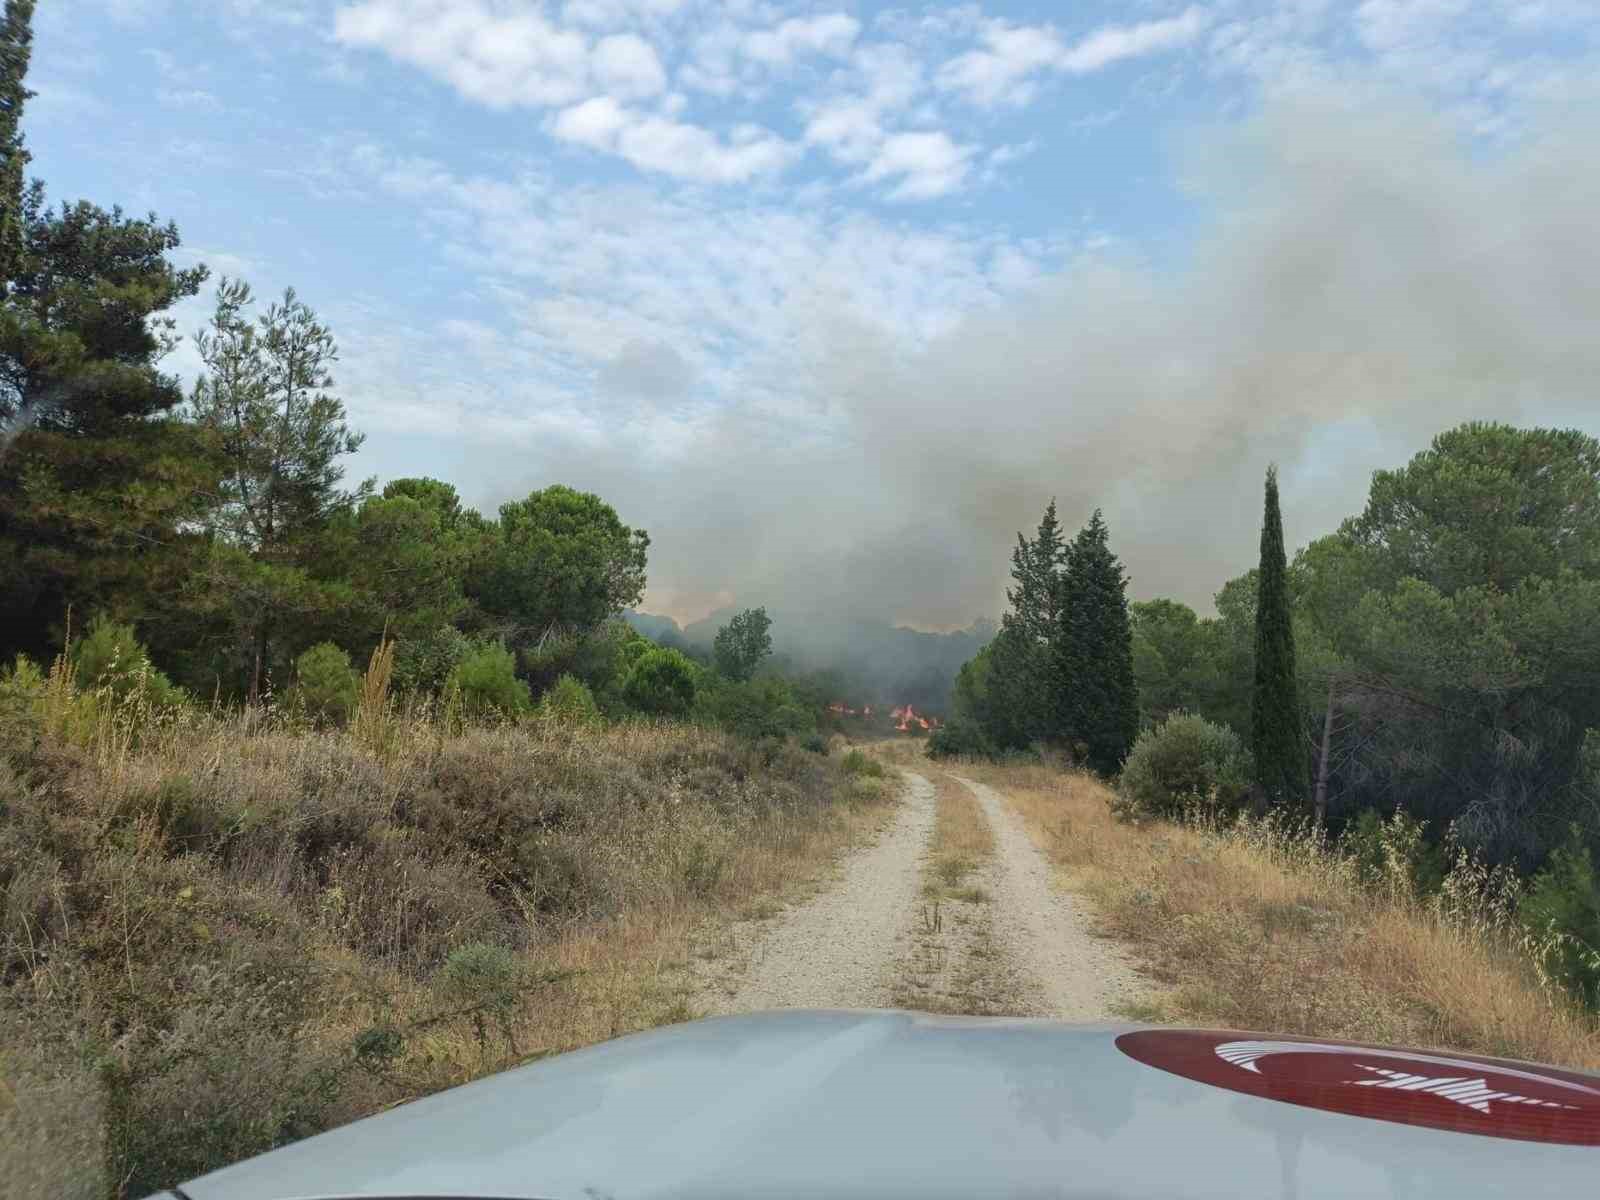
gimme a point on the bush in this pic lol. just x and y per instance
(757, 708)
(857, 763)
(569, 702)
(960, 739)
(326, 685)
(424, 664)
(487, 680)
(816, 744)
(1182, 761)
(1394, 854)
(661, 683)
(1564, 900)
(109, 656)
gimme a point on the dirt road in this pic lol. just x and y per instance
(854, 944)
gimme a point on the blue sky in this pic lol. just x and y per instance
(832, 297)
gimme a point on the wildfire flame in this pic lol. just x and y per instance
(904, 716)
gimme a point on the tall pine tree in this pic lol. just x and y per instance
(1094, 653)
(1275, 736)
(1022, 696)
(98, 485)
(16, 39)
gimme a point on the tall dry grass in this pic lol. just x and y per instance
(1254, 926)
(237, 931)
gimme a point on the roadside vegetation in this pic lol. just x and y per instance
(1427, 676)
(226, 930)
(1256, 923)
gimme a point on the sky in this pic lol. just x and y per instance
(832, 298)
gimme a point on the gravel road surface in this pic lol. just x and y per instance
(849, 945)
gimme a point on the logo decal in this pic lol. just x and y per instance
(1466, 1094)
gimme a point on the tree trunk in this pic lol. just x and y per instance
(1320, 805)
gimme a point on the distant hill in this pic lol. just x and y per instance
(868, 662)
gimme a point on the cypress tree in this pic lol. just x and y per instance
(1094, 655)
(1281, 766)
(16, 37)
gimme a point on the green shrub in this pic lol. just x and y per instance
(1183, 761)
(769, 707)
(487, 680)
(960, 739)
(857, 763)
(110, 657)
(569, 702)
(326, 685)
(661, 683)
(1564, 901)
(1394, 854)
(424, 664)
(815, 743)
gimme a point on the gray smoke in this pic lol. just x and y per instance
(1362, 279)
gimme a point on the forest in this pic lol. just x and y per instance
(1427, 672)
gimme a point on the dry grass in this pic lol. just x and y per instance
(954, 964)
(1251, 929)
(264, 924)
(962, 840)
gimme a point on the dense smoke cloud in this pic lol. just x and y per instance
(1361, 278)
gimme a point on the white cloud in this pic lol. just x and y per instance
(1004, 70)
(659, 143)
(627, 65)
(831, 34)
(502, 59)
(1115, 43)
(1001, 71)
(927, 164)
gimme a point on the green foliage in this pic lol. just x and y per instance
(486, 679)
(559, 559)
(570, 703)
(423, 662)
(1183, 762)
(661, 683)
(479, 973)
(1563, 906)
(742, 643)
(110, 658)
(815, 743)
(327, 687)
(1394, 854)
(1486, 505)
(960, 737)
(1094, 652)
(769, 707)
(99, 489)
(16, 38)
(856, 763)
(1276, 736)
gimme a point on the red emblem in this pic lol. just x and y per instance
(1488, 1096)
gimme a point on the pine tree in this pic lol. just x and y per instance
(1094, 652)
(16, 37)
(1275, 737)
(1022, 695)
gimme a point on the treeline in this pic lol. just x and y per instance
(1060, 671)
(208, 544)
(1426, 676)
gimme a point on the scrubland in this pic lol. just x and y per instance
(1254, 925)
(221, 933)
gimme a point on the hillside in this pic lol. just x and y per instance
(868, 662)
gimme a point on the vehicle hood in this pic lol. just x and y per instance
(887, 1104)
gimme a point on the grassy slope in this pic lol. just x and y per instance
(233, 937)
(1252, 930)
